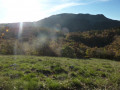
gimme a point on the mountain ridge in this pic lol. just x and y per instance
(79, 22)
(71, 22)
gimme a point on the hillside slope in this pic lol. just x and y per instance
(79, 22)
(53, 73)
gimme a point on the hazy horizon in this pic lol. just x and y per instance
(52, 15)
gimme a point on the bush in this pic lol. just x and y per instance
(6, 47)
(67, 51)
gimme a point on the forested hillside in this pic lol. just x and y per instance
(79, 22)
(51, 42)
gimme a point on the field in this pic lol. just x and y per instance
(55, 73)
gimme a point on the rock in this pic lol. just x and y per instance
(71, 67)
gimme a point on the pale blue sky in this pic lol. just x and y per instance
(33, 10)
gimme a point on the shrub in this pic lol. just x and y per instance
(67, 51)
(6, 47)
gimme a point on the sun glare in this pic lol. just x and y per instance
(23, 10)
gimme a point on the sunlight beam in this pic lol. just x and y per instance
(20, 30)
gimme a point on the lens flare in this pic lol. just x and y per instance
(3, 34)
(20, 30)
(19, 36)
(7, 30)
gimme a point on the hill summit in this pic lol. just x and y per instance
(79, 22)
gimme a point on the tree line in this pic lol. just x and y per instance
(50, 42)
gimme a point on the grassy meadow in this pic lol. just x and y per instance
(58, 73)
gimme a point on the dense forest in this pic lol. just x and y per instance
(52, 42)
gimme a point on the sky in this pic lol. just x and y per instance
(34, 10)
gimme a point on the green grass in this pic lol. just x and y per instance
(55, 73)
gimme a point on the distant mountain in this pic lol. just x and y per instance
(79, 22)
(68, 22)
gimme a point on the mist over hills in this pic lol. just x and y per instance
(69, 22)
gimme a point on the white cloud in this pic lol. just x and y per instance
(62, 6)
(69, 3)
(104, 0)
